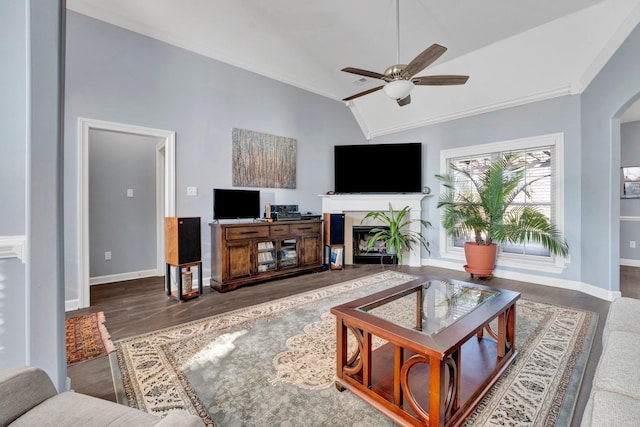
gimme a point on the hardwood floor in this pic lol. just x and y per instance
(630, 281)
(138, 306)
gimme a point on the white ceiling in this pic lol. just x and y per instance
(515, 51)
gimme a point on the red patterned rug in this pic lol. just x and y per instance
(87, 338)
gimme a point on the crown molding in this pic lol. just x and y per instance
(569, 89)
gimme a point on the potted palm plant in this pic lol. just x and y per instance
(393, 230)
(484, 208)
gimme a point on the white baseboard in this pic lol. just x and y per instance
(538, 280)
(71, 304)
(98, 280)
(630, 262)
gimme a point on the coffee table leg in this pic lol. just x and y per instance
(436, 393)
(398, 359)
(453, 391)
(366, 360)
(502, 326)
(341, 348)
(506, 330)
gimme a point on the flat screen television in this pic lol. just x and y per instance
(378, 168)
(234, 204)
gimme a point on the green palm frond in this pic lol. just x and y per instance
(484, 206)
(397, 233)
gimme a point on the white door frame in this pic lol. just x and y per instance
(165, 150)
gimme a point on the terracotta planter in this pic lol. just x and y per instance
(481, 259)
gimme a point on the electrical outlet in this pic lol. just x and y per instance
(129, 192)
(632, 244)
(107, 255)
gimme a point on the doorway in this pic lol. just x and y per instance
(165, 198)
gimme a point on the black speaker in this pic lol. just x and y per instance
(182, 240)
(333, 229)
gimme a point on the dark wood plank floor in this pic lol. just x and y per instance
(138, 306)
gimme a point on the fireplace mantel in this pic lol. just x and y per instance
(355, 206)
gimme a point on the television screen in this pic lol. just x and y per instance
(378, 168)
(233, 204)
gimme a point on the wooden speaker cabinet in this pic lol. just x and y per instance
(182, 240)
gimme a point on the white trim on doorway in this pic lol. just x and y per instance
(166, 152)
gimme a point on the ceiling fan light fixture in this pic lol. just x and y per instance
(398, 89)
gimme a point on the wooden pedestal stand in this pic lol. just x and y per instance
(178, 294)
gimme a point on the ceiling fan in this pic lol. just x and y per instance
(399, 78)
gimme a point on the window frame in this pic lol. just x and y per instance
(552, 264)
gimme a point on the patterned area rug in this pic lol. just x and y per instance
(87, 338)
(273, 364)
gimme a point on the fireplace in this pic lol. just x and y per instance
(377, 254)
(355, 207)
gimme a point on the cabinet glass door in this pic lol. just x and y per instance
(289, 253)
(267, 259)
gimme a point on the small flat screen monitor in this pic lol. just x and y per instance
(235, 204)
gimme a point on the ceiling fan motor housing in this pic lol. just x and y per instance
(393, 72)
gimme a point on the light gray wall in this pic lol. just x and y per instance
(12, 110)
(120, 76)
(630, 156)
(612, 91)
(540, 118)
(125, 226)
(31, 295)
(45, 237)
(13, 172)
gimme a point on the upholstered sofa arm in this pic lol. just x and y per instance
(182, 419)
(22, 389)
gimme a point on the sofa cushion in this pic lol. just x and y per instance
(22, 389)
(624, 315)
(618, 370)
(180, 418)
(607, 409)
(75, 409)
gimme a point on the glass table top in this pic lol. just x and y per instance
(430, 307)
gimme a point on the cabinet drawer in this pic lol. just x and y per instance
(313, 228)
(247, 232)
(279, 230)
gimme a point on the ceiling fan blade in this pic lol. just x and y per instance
(365, 73)
(440, 80)
(404, 101)
(366, 92)
(423, 60)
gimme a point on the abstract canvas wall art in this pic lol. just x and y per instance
(263, 160)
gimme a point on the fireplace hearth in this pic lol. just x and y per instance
(378, 252)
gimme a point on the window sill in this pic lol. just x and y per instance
(554, 265)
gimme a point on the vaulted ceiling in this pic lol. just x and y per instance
(515, 51)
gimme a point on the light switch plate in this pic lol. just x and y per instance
(192, 191)
(129, 192)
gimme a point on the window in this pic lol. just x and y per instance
(543, 159)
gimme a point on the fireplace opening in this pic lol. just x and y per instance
(377, 254)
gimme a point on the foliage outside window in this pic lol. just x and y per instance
(542, 168)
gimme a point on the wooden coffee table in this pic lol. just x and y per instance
(426, 352)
